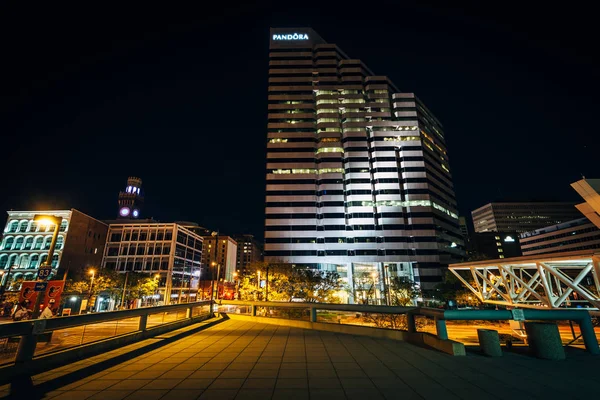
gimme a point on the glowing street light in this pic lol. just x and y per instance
(92, 272)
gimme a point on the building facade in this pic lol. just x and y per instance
(25, 245)
(219, 256)
(589, 190)
(168, 251)
(358, 175)
(248, 251)
(522, 217)
(579, 234)
(131, 200)
(492, 245)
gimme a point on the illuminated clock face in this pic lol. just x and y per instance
(136, 213)
(124, 211)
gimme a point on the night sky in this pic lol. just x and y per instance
(178, 97)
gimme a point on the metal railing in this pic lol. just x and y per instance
(404, 318)
(349, 314)
(581, 317)
(21, 342)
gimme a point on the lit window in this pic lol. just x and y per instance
(278, 140)
(497, 237)
(501, 256)
(331, 170)
(500, 251)
(330, 150)
(498, 244)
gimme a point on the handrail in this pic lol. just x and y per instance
(51, 324)
(366, 308)
(582, 317)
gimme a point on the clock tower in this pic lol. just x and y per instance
(131, 200)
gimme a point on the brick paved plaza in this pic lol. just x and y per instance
(247, 360)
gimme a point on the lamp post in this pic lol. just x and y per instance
(157, 279)
(237, 285)
(267, 285)
(258, 283)
(124, 290)
(215, 295)
(93, 273)
(46, 220)
(374, 276)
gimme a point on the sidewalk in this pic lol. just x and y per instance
(247, 360)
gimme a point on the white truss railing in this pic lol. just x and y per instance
(560, 281)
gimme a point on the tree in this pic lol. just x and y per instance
(107, 281)
(286, 283)
(403, 291)
(140, 286)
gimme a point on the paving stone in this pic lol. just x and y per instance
(194, 383)
(265, 383)
(291, 383)
(327, 394)
(254, 394)
(290, 394)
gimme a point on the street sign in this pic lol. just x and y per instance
(44, 272)
(40, 286)
(518, 315)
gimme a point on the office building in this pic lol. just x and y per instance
(168, 250)
(522, 217)
(358, 175)
(492, 245)
(579, 234)
(248, 251)
(25, 245)
(219, 256)
(589, 190)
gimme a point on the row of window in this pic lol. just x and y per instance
(377, 239)
(23, 226)
(408, 227)
(31, 243)
(358, 252)
(25, 260)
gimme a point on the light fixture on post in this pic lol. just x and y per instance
(47, 220)
(92, 272)
(374, 276)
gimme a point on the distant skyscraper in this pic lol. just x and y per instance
(131, 200)
(358, 177)
(464, 228)
(522, 216)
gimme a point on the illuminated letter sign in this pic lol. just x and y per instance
(291, 36)
(509, 239)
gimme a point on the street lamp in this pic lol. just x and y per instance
(47, 220)
(156, 291)
(237, 285)
(92, 272)
(214, 295)
(374, 276)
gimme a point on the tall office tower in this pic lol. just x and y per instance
(522, 217)
(358, 179)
